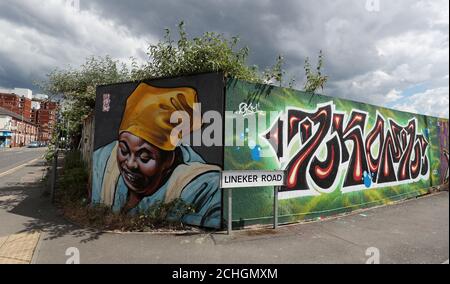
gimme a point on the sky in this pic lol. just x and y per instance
(383, 52)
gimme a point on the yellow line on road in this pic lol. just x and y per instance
(8, 172)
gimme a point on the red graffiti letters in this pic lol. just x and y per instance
(331, 146)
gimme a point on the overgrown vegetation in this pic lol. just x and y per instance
(77, 88)
(72, 199)
(72, 181)
(211, 52)
(315, 81)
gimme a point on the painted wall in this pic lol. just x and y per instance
(136, 168)
(339, 155)
(444, 150)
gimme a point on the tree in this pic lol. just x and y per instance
(211, 52)
(315, 80)
(77, 88)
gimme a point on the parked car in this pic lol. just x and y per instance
(34, 144)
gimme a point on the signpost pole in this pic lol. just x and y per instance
(275, 207)
(230, 211)
(251, 179)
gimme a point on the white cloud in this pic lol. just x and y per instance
(431, 102)
(393, 95)
(408, 59)
(439, 10)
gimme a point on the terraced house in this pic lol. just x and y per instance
(15, 131)
(31, 111)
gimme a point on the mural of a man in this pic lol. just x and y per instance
(143, 167)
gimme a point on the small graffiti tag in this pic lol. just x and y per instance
(248, 109)
(106, 102)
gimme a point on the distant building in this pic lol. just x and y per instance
(15, 131)
(35, 105)
(40, 97)
(24, 93)
(45, 117)
(18, 104)
(37, 110)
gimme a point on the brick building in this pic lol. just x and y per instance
(45, 117)
(38, 112)
(15, 131)
(17, 104)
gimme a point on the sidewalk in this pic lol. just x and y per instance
(415, 231)
(412, 232)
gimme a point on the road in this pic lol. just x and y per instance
(414, 231)
(11, 158)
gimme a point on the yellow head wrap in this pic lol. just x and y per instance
(148, 111)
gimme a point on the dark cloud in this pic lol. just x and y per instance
(348, 34)
(38, 37)
(369, 55)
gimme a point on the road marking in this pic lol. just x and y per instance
(8, 172)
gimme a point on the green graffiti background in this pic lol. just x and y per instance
(254, 206)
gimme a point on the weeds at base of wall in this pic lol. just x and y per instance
(71, 198)
(443, 187)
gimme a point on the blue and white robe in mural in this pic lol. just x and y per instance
(194, 182)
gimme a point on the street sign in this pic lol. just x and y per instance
(247, 179)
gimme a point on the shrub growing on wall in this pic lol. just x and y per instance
(211, 52)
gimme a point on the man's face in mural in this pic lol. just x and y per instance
(142, 165)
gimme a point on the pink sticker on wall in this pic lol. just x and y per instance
(106, 102)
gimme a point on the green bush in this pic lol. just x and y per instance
(73, 160)
(73, 183)
(163, 214)
(50, 154)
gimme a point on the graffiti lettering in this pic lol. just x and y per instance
(329, 145)
(248, 109)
